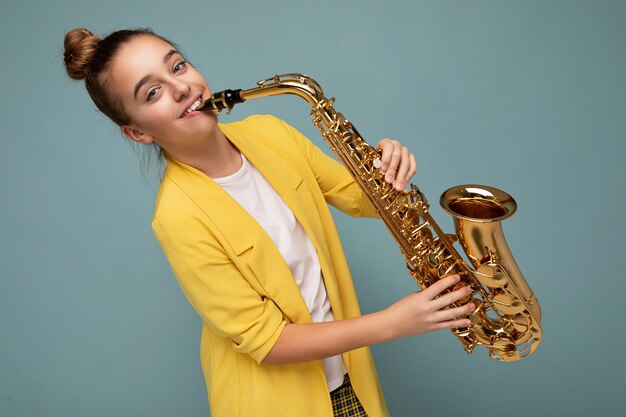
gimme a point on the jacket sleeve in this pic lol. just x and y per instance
(217, 289)
(337, 185)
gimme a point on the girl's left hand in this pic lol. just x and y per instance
(398, 164)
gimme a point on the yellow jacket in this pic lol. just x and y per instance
(237, 281)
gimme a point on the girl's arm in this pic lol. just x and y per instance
(417, 313)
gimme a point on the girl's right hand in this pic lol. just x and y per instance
(427, 311)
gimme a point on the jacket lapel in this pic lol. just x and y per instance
(241, 232)
(293, 189)
(283, 177)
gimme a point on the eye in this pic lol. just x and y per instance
(180, 66)
(152, 93)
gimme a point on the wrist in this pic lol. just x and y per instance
(386, 325)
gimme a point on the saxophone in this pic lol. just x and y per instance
(507, 316)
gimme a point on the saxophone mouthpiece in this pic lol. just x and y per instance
(222, 100)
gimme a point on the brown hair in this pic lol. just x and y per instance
(88, 57)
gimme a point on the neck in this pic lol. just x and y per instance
(215, 155)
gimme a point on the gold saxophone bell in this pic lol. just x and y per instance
(478, 212)
(507, 317)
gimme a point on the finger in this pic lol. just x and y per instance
(412, 169)
(385, 147)
(451, 324)
(453, 313)
(452, 297)
(396, 155)
(403, 169)
(380, 144)
(440, 286)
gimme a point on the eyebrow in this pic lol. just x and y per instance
(145, 79)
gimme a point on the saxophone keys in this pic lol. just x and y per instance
(504, 349)
(521, 323)
(452, 237)
(481, 328)
(433, 261)
(491, 276)
(508, 304)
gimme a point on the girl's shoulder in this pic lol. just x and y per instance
(270, 132)
(256, 125)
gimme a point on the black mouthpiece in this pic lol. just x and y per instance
(222, 100)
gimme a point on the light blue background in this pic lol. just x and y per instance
(528, 96)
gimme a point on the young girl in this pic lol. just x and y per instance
(242, 216)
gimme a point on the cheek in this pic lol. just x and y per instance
(156, 117)
(198, 79)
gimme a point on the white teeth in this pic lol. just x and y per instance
(194, 106)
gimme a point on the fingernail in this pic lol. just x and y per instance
(389, 178)
(471, 305)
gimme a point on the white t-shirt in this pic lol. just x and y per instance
(252, 191)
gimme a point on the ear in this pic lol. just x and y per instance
(136, 135)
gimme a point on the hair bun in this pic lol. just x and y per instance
(80, 45)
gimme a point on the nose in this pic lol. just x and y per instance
(180, 88)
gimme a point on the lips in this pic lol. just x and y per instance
(193, 105)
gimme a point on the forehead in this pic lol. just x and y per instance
(135, 59)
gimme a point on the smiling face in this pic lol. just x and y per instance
(159, 90)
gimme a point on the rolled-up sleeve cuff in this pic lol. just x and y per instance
(261, 352)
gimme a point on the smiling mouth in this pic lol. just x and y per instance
(192, 108)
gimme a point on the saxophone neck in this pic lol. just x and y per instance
(297, 84)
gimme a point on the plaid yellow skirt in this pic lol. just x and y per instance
(345, 402)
